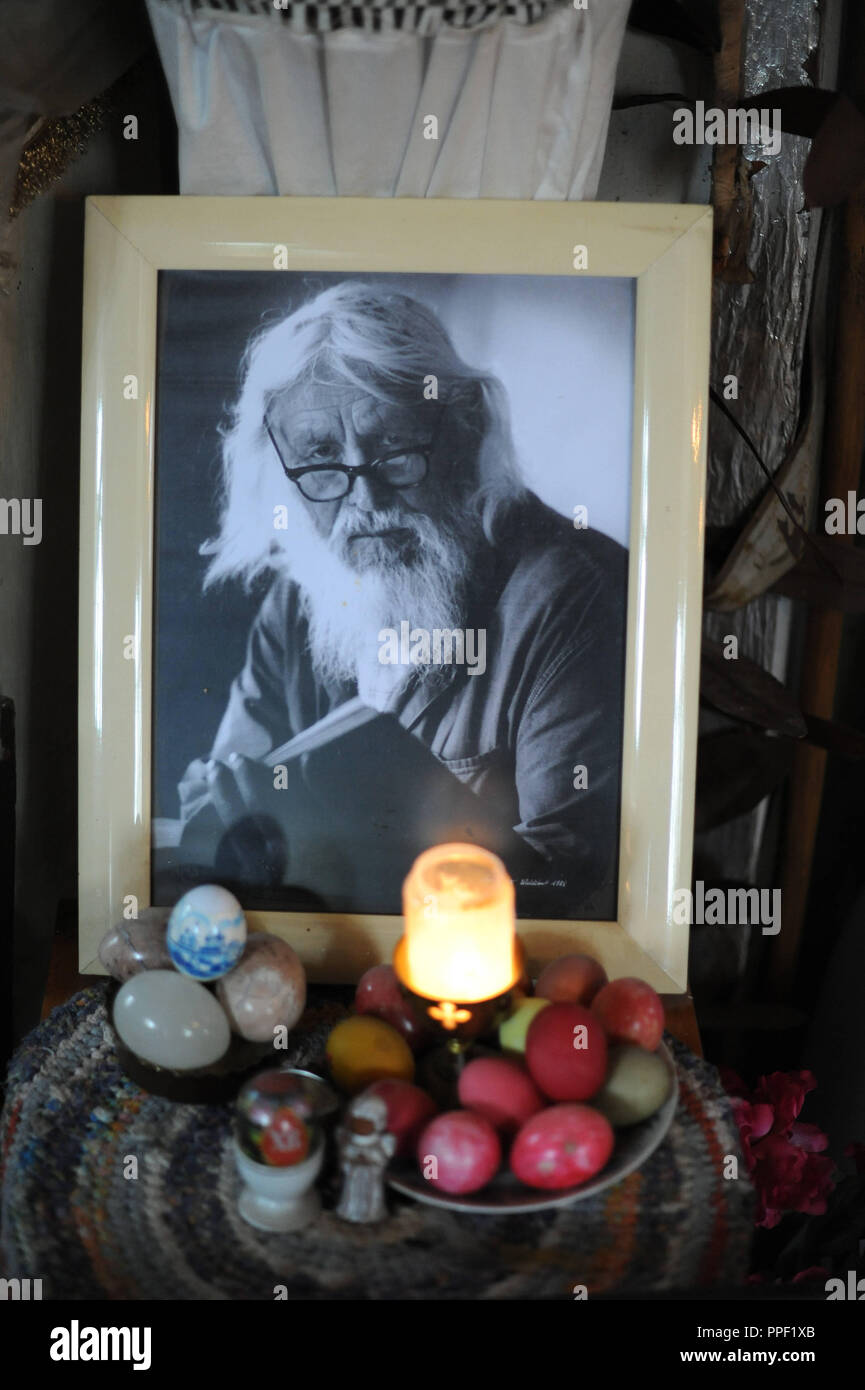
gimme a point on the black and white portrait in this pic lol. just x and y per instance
(390, 583)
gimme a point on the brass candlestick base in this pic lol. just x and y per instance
(460, 1022)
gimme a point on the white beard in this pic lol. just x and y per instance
(347, 607)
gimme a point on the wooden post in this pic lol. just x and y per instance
(731, 191)
(843, 442)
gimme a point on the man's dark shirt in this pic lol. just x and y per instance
(553, 602)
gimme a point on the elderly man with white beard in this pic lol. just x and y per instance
(392, 466)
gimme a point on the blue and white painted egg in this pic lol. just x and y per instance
(206, 932)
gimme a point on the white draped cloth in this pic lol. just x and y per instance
(266, 104)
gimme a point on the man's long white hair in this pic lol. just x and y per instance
(387, 344)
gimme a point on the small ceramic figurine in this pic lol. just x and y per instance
(365, 1149)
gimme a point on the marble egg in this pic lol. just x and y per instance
(206, 932)
(138, 944)
(171, 1021)
(266, 988)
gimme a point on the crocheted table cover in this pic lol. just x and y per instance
(70, 1217)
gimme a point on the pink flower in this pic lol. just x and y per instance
(789, 1178)
(733, 1083)
(754, 1122)
(785, 1092)
(777, 1172)
(816, 1185)
(805, 1275)
(808, 1137)
(783, 1154)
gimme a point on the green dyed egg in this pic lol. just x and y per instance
(637, 1084)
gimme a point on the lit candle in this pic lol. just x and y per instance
(460, 943)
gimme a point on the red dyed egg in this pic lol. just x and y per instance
(573, 979)
(566, 1052)
(378, 993)
(408, 1110)
(501, 1091)
(562, 1146)
(459, 1152)
(631, 1011)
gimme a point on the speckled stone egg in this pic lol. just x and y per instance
(267, 988)
(206, 932)
(135, 945)
(171, 1021)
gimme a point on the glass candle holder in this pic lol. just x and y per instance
(460, 958)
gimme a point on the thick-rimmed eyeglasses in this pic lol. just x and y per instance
(328, 482)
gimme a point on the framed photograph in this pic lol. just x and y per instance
(391, 535)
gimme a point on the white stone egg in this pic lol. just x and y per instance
(206, 932)
(170, 1021)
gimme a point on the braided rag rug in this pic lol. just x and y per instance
(71, 1218)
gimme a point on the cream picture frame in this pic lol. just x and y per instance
(667, 250)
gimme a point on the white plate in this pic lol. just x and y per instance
(506, 1195)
